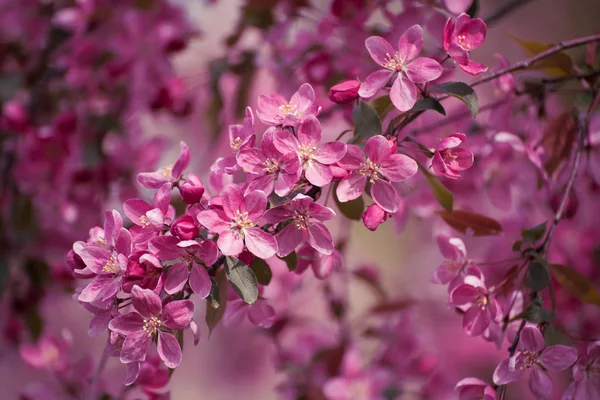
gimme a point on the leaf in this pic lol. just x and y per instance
(382, 106)
(262, 270)
(429, 103)
(534, 234)
(471, 223)
(291, 260)
(553, 336)
(576, 283)
(441, 193)
(242, 279)
(559, 137)
(558, 64)
(537, 276)
(352, 209)
(536, 313)
(389, 307)
(461, 91)
(215, 314)
(366, 121)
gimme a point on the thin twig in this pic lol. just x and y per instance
(97, 374)
(503, 11)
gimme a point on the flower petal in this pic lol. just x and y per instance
(318, 174)
(330, 152)
(374, 82)
(146, 302)
(135, 347)
(378, 149)
(261, 314)
(178, 314)
(255, 205)
(169, 350)
(230, 243)
(288, 239)
(303, 98)
(540, 384)
(319, 238)
(126, 324)
(403, 93)
(252, 160)
(309, 132)
(176, 278)
(233, 200)
(503, 375)
(410, 43)
(423, 70)
(558, 357)
(351, 187)
(260, 243)
(385, 196)
(200, 281)
(214, 220)
(379, 49)
(531, 339)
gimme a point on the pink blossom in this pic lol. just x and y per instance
(535, 356)
(147, 374)
(483, 308)
(345, 92)
(275, 110)
(50, 352)
(322, 264)
(314, 159)
(150, 219)
(143, 270)
(259, 313)
(449, 161)
(586, 385)
(185, 228)
(192, 189)
(305, 216)
(241, 136)
(149, 320)
(171, 174)
(475, 389)
(373, 217)
(403, 64)
(270, 169)
(237, 223)
(377, 168)
(455, 254)
(461, 37)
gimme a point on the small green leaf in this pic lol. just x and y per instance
(558, 64)
(429, 103)
(215, 314)
(366, 121)
(242, 279)
(382, 106)
(537, 276)
(461, 91)
(553, 336)
(352, 209)
(536, 313)
(291, 260)
(262, 270)
(443, 196)
(534, 234)
(517, 245)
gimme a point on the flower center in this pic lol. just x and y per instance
(151, 325)
(302, 221)
(242, 221)
(359, 390)
(371, 170)
(236, 143)
(482, 302)
(529, 359)
(111, 265)
(271, 165)
(144, 221)
(306, 153)
(167, 171)
(393, 62)
(50, 355)
(289, 109)
(461, 40)
(101, 242)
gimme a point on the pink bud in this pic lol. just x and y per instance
(14, 117)
(373, 216)
(344, 92)
(185, 228)
(191, 190)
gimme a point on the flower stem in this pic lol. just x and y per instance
(97, 374)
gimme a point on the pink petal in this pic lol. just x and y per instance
(260, 243)
(464, 294)
(135, 347)
(230, 243)
(195, 331)
(378, 149)
(458, 54)
(233, 200)
(423, 70)
(207, 252)
(263, 183)
(503, 375)
(134, 209)
(474, 32)
(261, 314)
(351, 187)
(303, 98)
(286, 182)
(214, 220)
(151, 180)
(319, 238)
(320, 212)
(182, 162)
(288, 239)
(457, 6)
(100, 289)
(169, 350)
(452, 141)
(255, 205)
(475, 321)
(330, 152)
(112, 225)
(318, 174)
(558, 357)
(473, 68)
(323, 267)
(540, 384)
(176, 278)
(278, 214)
(200, 281)
(95, 258)
(374, 82)
(398, 167)
(165, 247)
(178, 314)
(353, 158)
(379, 49)
(410, 43)
(285, 142)
(126, 324)
(532, 339)
(452, 248)
(385, 196)
(309, 132)
(445, 273)
(132, 372)
(403, 94)
(162, 198)
(235, 313)
(146, 302)
(252, 160)
(447, 35)
(268, 109)
(461, 160)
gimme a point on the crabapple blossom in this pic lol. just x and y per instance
(170, 174)
(462, 36)
(344, 92)
(275, 110)
(448, 160)
(455, 254)
(586, 385)
(475, 389)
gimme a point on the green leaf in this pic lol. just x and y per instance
(215, 314)
(558, 64)
(382, 106)
(534, 234)
(461, 91)
(429, 103)
(291, 260)
(262, 271)
(537, 276)
(536, 313)
(553, 336)
(242, 279)
(366, 121)
(352, 209)
(576, 283)
(517, 245)
(443, 196)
